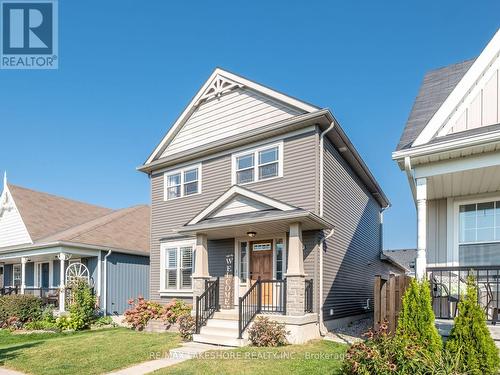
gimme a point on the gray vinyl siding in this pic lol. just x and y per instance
(30, 274)
(352, 254)
(311, 240)
(436, 231)
(127, 277)
(298, 187)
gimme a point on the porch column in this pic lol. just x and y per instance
(200, 266)
(24, 260)
(62, 292)
(421, 261)
(295, 275)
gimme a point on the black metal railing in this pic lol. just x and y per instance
(49, 296)
(207, 303)
(449, 284)
(263, 297)
(308, 296)
(8, 290)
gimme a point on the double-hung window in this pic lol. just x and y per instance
(183, 182)
(258, 164)
(177, 265)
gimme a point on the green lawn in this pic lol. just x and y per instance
(89, 352)
(316, 357)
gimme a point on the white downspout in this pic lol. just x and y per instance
(322, 328)
(105, 283)
(411, 178)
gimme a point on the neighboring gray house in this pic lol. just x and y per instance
(266, 186)
(46, 240)
(449, 150)
(405, 258)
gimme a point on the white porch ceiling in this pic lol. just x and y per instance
(469, 182)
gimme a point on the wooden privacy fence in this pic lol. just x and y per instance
(388, 295)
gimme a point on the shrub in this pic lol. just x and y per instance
(187, 326)
(25, 308)
(266, 332)
(142, 312)
(384, 353)
(173, 310)
(470, 338)
(82, 309)
(105, 321)
(41, 325)
(416, 319)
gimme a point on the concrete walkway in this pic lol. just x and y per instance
(187, 351)
(4, 371)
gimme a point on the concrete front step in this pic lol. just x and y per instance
(219, 340)
(191, 350)
(222, 323)
(219, 331)
(226, 315)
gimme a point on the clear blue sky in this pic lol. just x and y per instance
(128, 68)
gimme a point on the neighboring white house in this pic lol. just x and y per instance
(449, 150)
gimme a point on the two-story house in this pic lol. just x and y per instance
(449, 150)
(261, 204)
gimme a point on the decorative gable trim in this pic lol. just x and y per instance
(219, 204)
(219, 85)
(461, 91)
(219, 82)
(11, 221)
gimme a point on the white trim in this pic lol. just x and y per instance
(236, 190)
(177, 244)
(217, 74)
(3, 202)
(461, 90)
(36, 276)
(458, 164)
(99, 266)
(34, 252)
(181, 171)
(472, 95)
(255, 151)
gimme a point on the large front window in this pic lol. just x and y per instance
(258, 164)
(479, 233)
(177, 261)
(183, 182)
(480, 222)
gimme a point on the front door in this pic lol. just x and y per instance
(261, 265)
(43, 272)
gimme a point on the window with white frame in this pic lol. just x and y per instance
(258, 164)
(479, 222)
(183, 182)
(243, 262)
(177, 261)
(16, 275)
(280, 259)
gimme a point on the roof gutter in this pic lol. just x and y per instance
(322, 328)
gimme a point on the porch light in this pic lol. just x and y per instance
(251, 234)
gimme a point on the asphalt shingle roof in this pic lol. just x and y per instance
(435, 88)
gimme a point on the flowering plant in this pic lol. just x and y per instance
(141, 312)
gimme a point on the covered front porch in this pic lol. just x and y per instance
(45, 272)
(458, 216)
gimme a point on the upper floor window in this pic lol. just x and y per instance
(479, 222)
(183, 182)
(258, 164)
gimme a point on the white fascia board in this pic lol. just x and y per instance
(237, 190)
(467, 82)
(458, 165)
(486, 138)
(238, 79)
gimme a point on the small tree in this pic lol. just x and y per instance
(82, 310)
(470, 338)
(416, 319)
